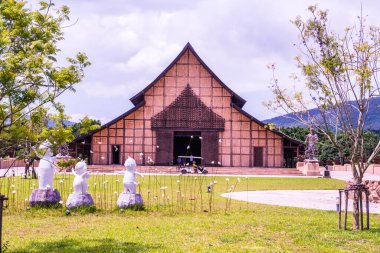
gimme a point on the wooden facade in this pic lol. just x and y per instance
(187, 100)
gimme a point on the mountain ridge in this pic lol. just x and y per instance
(372, 122)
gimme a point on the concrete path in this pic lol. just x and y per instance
(347, 175)
(17, 171)
(341, 175)
(311, 199)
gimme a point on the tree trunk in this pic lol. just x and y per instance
(341, 157)
(34, 174)
(29, 164)
(357, 196)
(26, 171)
(355, 212)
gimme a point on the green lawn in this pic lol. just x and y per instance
(161, 192)
(187, 225)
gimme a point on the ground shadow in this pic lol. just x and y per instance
(77, 245)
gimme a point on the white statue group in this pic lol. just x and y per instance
(45, 195)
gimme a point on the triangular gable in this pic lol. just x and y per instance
(235, 99)
(138, 100)
(188, 111)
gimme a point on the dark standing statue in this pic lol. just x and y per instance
(311, 146)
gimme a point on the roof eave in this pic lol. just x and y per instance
(264, 125)
(110, 122)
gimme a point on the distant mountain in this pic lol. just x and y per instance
(51, 123)
(372, 123)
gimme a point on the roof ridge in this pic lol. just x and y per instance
(236, 99)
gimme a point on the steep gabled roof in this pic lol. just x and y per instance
(236, 99)
(188, 111)
(138, 101)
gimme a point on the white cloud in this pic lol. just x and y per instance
(151, 57)
(97, 89)
(130, 42)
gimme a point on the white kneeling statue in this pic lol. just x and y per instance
(81, 175)
(129, 181)
(45, 195)
(80, 197)
(46, 167)
(129, 197)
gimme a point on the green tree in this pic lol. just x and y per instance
(298, 133)
(340, 72)
(59, 134)
(30, 76)
(24, 137)
(326, 150)
(85, 126)
(370, 141)
(19, 140)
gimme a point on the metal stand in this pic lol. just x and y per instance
(360, 188)
(2, 199)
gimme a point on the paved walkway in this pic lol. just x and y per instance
(347, 175)
(341, 175)
(311, 199)
(17, 171)
(211, 170)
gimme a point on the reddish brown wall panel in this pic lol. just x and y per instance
(240, 135)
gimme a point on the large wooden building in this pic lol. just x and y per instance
(187, 110)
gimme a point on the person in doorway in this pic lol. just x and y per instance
(195, 167)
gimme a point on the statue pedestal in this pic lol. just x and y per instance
(44, 197)
(311, 168)
(75, 200)
(126, 200)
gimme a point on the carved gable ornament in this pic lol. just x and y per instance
(188, 112)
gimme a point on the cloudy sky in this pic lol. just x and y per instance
(130, 42)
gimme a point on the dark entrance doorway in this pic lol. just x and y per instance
(186, 144)
(115, 154)
(290, 157)
(258, 157)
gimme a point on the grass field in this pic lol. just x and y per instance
(231, 226)
(176, 193)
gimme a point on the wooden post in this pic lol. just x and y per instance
(122, 162)
(108, 145)
(143, 139)
(345, 209)
(266, 148)
(2, 198)
(340, 209)
(361, 208)
(367, 207)
(250, 144)
(357, 189)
